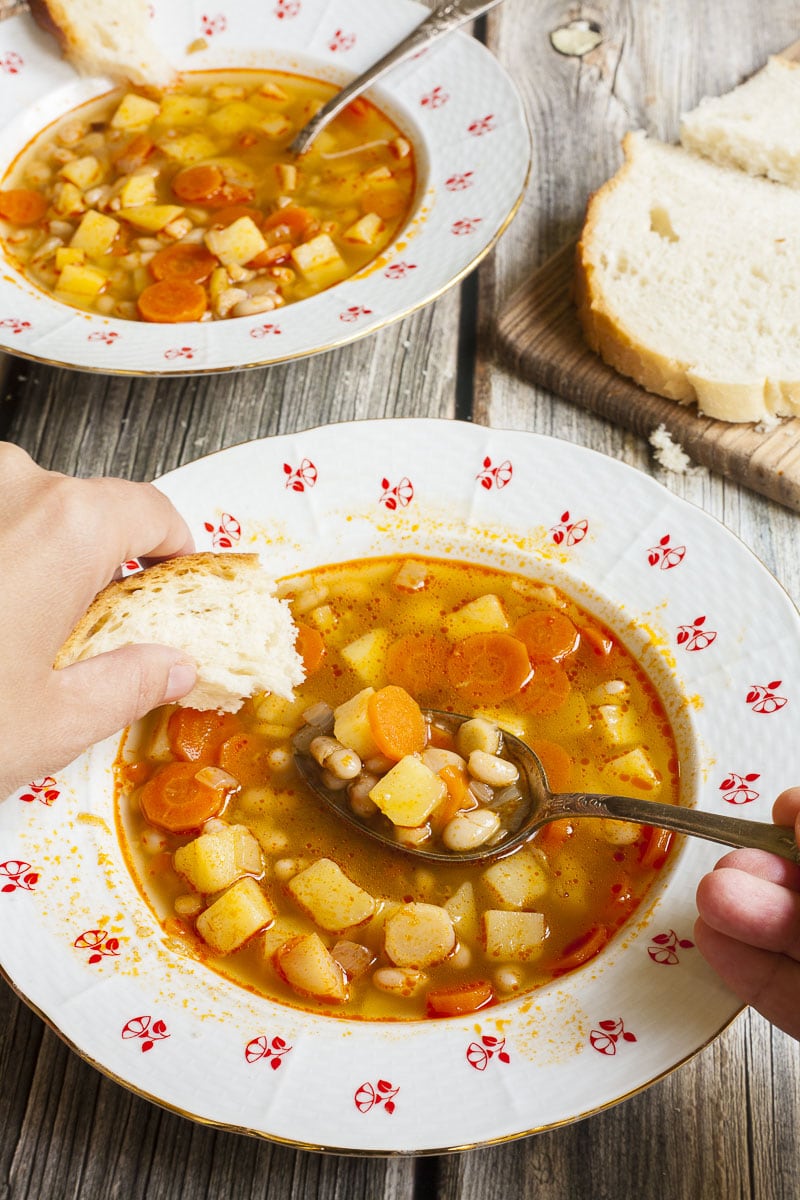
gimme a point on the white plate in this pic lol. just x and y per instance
(460, 109)
(712, 627)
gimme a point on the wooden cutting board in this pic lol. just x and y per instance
(539, 334)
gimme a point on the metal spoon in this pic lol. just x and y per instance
(442, 20)
(539, 806)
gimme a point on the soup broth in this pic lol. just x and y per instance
(187, 205)
(314, 914)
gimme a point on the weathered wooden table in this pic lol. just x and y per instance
(723, 1126)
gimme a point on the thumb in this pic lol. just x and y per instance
(99, 696)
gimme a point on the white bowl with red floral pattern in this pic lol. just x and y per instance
(460, 110)
(717, 634)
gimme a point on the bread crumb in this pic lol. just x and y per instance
(768, 424)
(668, 454)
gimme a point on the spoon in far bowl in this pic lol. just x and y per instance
(535, 806)
(446, 17)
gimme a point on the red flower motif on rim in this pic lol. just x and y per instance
(459, 183)
(665, 556)
(341, 41)
(11, 63)
(399, 270)
(98, 943)
(262, 1047)
(499, 476)
(481, 125)
(15, 324)
(762, 698)
(568, 531)
(146, 1029)
(480, 1054)
(604, 1040)
(367, 1096)
(436, 98)
(465, 225)
(43, 790)
(213, 25)
(735, 788)
(131, 567)
(399, 496)
(260, 331)
(107, 336)
(285, 9)
(302, 477)
(354, 312)
(695, 637)
(226, 534)
(180, 352)
(664, 948)
(19, 875)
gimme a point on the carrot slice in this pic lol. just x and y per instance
(175, 800)
(582, 949)
(310, 646)
(456, 780)
(486, 668)
(272, 255)
(290, 224)
(22, 206)
(655, 849)
(463, 998)
(602, 643)
(135, 154)
(229, 195)
(396, 722)
(546, 691)
(556, 762)
(198, 183)
(196, 735)
(548, 635)
(189, 261)
(416, 662)
(172, 300)
(552, 837)
(245, 756)
(232, 212)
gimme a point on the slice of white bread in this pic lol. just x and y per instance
(688, 280)
(106, 37)
(756, 127)
(220, 609)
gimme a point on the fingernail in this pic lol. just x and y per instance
(181, 679)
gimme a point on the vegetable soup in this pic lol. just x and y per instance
(186, 205)
(250, 872)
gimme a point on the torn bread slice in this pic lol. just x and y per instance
(220, 609)
(688, 281)
(101, 37)
(756, 127)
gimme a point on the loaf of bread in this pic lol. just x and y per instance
(220, 609)
(756, 127)
(106, 37)
(688, 281)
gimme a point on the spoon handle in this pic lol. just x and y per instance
(444, 18)
(730, 831)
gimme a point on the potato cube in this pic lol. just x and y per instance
(134, 112)
(83, 172)
(275, 125)
(215, 860)
(67, 255)
(182, 109)
(409, 792)
(286, 176)
(619, 833)
(620, 726)
(87, 281)
(188, 148)
(367, 656)
(307, 965)
(365, 231)
(513, 936)
(95, 233)
(412, 576)
(516, 882)
(234, 117)
(319, 260)
(68, 199)
(332, 900)
(272, 91)
(611, 691)
(237, 243)
(463, 911)
(352, 728)
(419, 935)
(235, 917)
(483, 615)
(152, 217)
(137, 189)
(323, 618)
(633, 772)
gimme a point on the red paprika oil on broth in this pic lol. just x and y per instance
(598, 725)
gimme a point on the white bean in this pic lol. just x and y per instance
(468, 830)
(488, 768)
(400, 981)
(506, 979)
